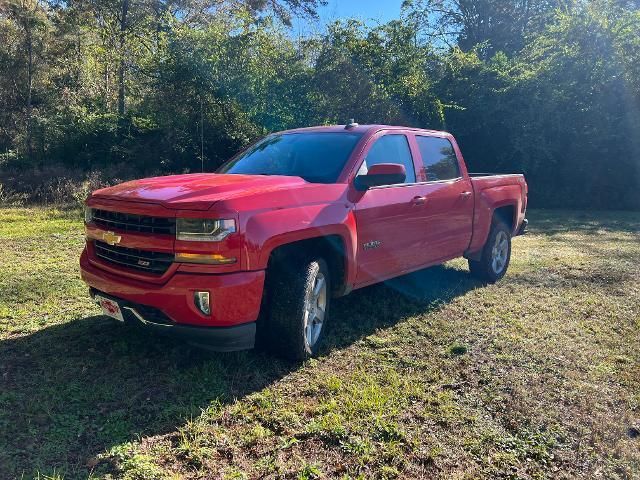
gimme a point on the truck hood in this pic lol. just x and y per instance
(196, 191)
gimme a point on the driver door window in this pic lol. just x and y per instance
(390, 149)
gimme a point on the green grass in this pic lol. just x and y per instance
(431, 375)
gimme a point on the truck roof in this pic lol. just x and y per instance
(362, 129)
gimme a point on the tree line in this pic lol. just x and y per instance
(550, 88)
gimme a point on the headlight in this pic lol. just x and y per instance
(88, 214)
(204, 229)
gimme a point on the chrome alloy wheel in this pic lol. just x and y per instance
(499, 252)
(314, 310)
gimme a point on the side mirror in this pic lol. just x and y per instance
(381, 174)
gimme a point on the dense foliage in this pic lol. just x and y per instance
(132, 87)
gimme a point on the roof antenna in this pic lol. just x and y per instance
(352, 124)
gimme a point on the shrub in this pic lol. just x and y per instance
(56, 184)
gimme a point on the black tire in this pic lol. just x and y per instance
(484, 268)
(289, 287)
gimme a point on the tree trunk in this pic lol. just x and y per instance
(121, 66)
(29, 47)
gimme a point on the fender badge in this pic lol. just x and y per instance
(371, 245)
(111, 238)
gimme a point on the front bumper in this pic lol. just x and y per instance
(235, 299)
(219, 339)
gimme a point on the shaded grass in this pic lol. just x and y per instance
(431, 375)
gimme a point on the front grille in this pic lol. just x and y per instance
(143, 260)
(129, 222)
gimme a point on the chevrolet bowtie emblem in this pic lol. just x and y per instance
(111, 238)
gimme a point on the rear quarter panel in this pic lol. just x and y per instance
(492, 192)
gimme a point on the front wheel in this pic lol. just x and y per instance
(299, 298)
(496, 254)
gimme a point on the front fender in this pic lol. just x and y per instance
(268, 230)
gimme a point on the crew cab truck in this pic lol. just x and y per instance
(255, 252)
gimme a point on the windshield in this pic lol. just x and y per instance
(317, 157)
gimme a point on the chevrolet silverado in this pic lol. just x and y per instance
(255, 252)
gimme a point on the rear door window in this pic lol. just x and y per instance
(438, 157)
(393, 148)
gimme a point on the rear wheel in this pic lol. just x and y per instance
(495, 256)
(299, 306)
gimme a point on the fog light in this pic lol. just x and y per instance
(201, 300)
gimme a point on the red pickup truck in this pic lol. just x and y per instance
(256, 251)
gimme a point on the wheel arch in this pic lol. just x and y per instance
(332, 248)
(507, 213)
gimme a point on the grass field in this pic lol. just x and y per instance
(432, 375)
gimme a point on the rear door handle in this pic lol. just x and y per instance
(465, 194)
(419, 200)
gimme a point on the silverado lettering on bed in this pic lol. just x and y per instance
(256, 251)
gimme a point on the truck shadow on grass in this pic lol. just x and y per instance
(71, 391)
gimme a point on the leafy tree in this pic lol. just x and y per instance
(583, 136)
(500, 25)
(25, 31)
(375, 76)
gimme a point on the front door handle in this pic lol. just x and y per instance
(419, 200)
(465, 194)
